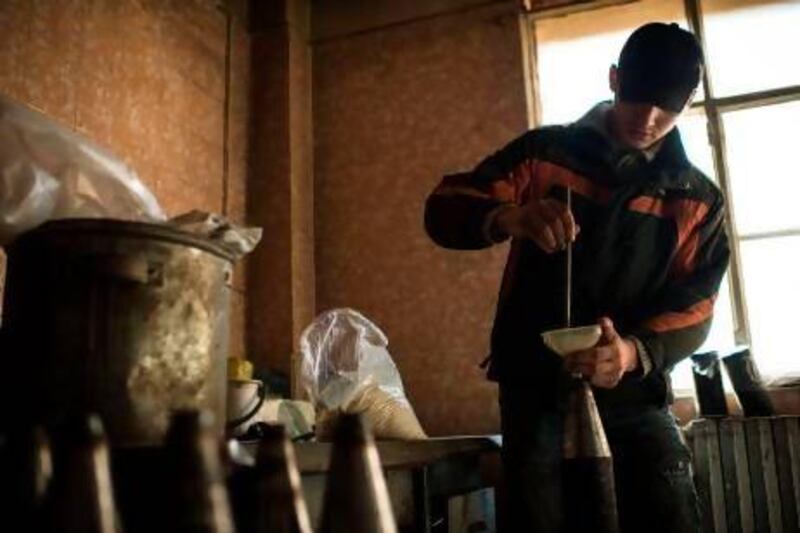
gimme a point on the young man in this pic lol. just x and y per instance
(649, 251)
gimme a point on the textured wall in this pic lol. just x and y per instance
(394, 109)
(145, 79)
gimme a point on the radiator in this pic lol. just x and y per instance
(747, 472)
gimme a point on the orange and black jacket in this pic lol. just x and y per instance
(651, 252)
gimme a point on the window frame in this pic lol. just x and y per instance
(713, 107)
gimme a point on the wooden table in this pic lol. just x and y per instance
(421, 475)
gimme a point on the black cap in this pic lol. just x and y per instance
(660, 64)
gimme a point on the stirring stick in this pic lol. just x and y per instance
(568, 273)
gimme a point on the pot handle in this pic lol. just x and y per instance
(262, 396)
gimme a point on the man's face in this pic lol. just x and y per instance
(639, 125)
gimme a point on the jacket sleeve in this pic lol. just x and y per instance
(677, 322)
(457, 211)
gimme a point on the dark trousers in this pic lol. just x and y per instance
(652, 467)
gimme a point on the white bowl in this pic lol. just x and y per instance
(567, 340)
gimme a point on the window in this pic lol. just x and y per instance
(740, 131)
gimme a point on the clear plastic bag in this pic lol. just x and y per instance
(347, 368)
(50, 172)
(238, 241)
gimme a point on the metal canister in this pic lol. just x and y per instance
(708, 385)
(26, 469)
(128, 320)
(81, 499)
(198, 496)
(283, 508)
(590, 500)
(356, 498)
(747, 383)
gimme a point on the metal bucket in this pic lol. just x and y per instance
(128, 320)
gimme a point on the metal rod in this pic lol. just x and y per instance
(568, 273)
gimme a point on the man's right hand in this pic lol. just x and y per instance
(547, 222)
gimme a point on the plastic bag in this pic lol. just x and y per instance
(347, 369)
(238, 241)
(49, 172)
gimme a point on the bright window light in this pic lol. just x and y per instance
(772, 289)
(752, 44)
(761, 148)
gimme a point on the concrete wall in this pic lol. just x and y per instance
(400, 99)
(146, 80)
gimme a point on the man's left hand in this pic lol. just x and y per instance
(606, 363)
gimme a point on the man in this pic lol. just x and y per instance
(649, 251)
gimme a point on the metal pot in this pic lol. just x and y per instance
(128, 320)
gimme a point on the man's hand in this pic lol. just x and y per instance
(605, 364)
(547, 222)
